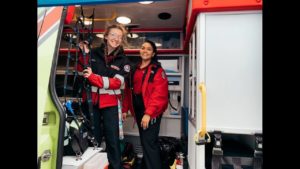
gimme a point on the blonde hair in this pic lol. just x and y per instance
(120, 27)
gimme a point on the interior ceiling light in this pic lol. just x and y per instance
(146, 2)
(123, 20)
(132, 35)
(164, 16)
(87, 22)
(158, 44)
(100, 35)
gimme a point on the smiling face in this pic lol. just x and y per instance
(146, 51)
(114, 38)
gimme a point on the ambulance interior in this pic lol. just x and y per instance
(212, 66)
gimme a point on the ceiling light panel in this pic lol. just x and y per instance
(123, 20)
(146, 2)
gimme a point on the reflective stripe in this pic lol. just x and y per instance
(122, 86)
(121, 78)
(105, 82)
(94, 89)
(105, 91)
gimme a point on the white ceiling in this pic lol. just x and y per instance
(144, 15)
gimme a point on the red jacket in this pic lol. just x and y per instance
(106, 81)
(155, 94)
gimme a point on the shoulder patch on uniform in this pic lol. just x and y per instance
(127, 68)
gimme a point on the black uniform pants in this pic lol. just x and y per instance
(110, 131)
(148, 137)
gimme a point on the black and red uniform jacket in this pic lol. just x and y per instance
(155, 93)
(107, 79)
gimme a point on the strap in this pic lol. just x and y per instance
(105, 91)
(91, 28)
(153, 72)
(216, 162)
(154, 69)
(258, 152)
(131, 77)
(144, 75)
(68, 105)
(257, 163)
(76, 148)
(218, 159)
(170, 102)
(66, 135)
(67, 72)
(76, 30)
(217, 152)
(83, 84)
(86, 84)
(237, 162)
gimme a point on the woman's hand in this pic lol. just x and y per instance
(124, 115)
(87, 72)
(84, 45)
(145, 121)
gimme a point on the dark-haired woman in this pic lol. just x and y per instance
(146, 96)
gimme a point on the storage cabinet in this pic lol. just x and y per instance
(226, 55)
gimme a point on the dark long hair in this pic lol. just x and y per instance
(154, 58)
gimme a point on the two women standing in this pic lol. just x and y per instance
(146, 94)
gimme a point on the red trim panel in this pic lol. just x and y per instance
(70, 14)
(49, 20)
